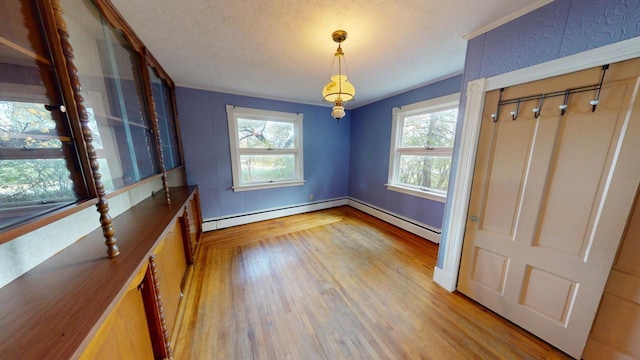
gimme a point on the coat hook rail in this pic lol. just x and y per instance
(540, 97)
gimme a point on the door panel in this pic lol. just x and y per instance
(535, 295)
(507, 174)
(490, 269)
(549, 202)
(584, 142)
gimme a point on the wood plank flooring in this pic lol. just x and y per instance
(334, 284)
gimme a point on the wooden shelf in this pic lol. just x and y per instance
(54, 310)
(24, 51)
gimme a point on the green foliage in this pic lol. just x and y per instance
(265, 168)
(430, 130)
(261, 134)
(271, 135)
(425, 171)
(40, 179)
(427, 131)
(26, 127)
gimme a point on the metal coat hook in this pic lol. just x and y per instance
(536, 111)
(514, 114)
(497, 113)
(594, 103)
(563, 107)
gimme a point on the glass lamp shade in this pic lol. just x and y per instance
(339, 88)
(338, 112)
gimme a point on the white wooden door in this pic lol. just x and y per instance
(549, 202)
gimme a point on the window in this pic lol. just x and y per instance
(266, 148)
(422, 146)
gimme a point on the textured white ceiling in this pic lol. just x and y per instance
(282, 49)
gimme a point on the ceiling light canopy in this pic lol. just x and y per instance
(339, 90)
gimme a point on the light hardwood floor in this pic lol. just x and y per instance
(334, 284)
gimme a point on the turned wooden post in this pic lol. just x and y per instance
(187, 236)
(72, 71)
(146, 79)
(160, 338)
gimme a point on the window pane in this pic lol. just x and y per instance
(39, 167)
(109, 71)
(428, 172)
(37, 180)
(267, 168)
(435, 129)
(166, 122)
(261, 134)
(28, 126)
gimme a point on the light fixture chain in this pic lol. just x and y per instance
(339, 90)
(331, 67)
(340, 60)
(346, 69)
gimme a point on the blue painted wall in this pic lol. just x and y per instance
(205, 134)
(349, 158)
(559, 29)
(370, 145)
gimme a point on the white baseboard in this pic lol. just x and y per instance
(444, 279)
(247, 218)
(412, 226)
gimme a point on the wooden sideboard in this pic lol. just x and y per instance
(81, 304)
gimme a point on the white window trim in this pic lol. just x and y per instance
(233, 112)
(398, 113)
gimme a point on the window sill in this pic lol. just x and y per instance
(423, 194)
(267, 185)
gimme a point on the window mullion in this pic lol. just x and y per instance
(266, 151)
(31, 154)
(412, 151)
(426, 152)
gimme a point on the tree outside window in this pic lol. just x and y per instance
(266, 148)
(32, 166)
(422, 146)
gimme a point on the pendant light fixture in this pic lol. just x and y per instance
(339, 90)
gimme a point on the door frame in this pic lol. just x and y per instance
(447, 276)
